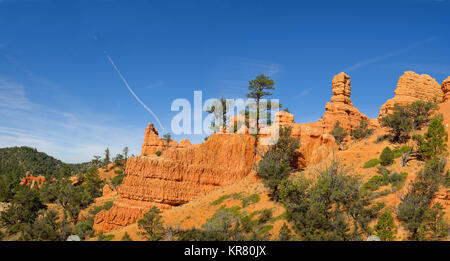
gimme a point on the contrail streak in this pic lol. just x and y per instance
(134, 94)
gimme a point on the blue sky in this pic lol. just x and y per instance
(60, 94)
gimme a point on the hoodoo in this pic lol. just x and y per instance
(341, 108)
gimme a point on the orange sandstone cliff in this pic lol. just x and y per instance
(446, 89)
(182, 173)
(411, 87)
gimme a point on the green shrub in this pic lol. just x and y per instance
(126, 237)
(362, 131)
(264, 230)
(102, 237)
(218, 201)
(395, 179)
(95, 210)
(387, 157)
(385, 227)
(265, 216)
(84, 228)
(400, 123)
(434, 142)
(421, 111)
(371, 163)
(338, 133)
(152, 225)
(117, 180)
(276, 163)
(398, 180)
(413, 211)
(398, 152)
(254, 198)
(332, 206)
(285, 233)
(158, 153)
(381, 138)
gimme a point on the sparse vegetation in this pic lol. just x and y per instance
(339, 134)
(254, 198)
(126, 237)
(363, 131)
(285, 233)
(386, 157)
(398, 152)
(326, 207)
(420, 112)
(95, 210)
(224, 197)
(434, 142)
(400, 123)
(153, 229)
(385, 178)
(371, 163)
(414, 211)
(385, 227)
(102, 237)
(229, 224)
(276, 163)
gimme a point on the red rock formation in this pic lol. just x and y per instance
(179, 175)
(31, 181)
(412, 87)
(446, 89)
(316, 143)
(153, 143)
(341, 108)
(283, 117)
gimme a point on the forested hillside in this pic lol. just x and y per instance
(22, 159)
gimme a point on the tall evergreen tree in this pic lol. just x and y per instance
(259, 89)
(107, 159)
(125, 152)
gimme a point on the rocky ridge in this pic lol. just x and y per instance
(412, 87)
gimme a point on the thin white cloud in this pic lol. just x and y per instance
(420, 68)
(369, 61)
(12, 96)
(27, 72)
(304, 93)
(267, 68)
(69, 136)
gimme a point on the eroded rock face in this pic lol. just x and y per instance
(341, 89)
(316, 143)
(32, 181)
(412, 87)
(153, 143)
(341, 108)
(283, 117)
(446, 89)
(179, 175)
